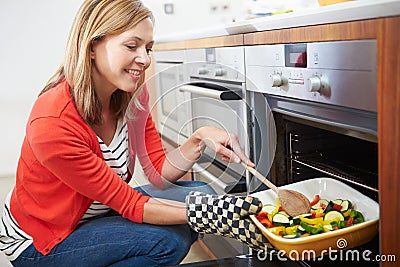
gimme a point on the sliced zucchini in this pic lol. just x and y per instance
(345, 205)
(280, 220)
(301, 229)
(318, 205)
(296, 220)
(284, 213)
(268, 208)
(328, 227)
(332, 215)
(329, 207)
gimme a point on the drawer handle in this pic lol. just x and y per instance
(215, 94)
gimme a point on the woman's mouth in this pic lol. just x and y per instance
(133, 72)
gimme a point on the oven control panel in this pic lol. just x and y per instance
(341, 73)
(221, 64)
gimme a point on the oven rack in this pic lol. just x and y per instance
(344, 172)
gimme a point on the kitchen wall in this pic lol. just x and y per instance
(183, 15)
(176, 16)
(33, 35)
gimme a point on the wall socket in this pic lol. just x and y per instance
(169, 8)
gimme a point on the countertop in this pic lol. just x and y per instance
(347, 11)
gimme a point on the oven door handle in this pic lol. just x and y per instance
(210, 178)
(216, 94)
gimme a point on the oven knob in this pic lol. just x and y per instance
(202, 70)
(313, 84)
(219, 72)
(278, 80)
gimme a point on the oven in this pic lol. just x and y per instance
(217, 98)
(216, 87)
(172, 104)
(315, 115)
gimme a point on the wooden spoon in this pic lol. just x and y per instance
(293, 202)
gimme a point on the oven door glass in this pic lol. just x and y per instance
(223, 180)
(228, 115)
(173, 105)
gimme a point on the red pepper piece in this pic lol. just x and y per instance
(315, 200)
(337, 207)
(350, 221)
(262, 214)
(264, 221)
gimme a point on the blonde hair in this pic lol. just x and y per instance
(94, 20)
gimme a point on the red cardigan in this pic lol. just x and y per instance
(61, 169)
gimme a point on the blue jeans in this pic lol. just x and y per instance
(116, 241)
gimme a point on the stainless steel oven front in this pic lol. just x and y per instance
(172, 104)
(315, 115)
(217, 87)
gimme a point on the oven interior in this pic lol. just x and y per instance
(314, 150)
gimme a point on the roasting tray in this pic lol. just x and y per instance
(315, 246)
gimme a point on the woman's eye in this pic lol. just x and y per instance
(131, 47)
(149, 50)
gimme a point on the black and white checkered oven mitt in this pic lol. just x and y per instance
(225, 215)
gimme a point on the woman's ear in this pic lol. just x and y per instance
(92, 54)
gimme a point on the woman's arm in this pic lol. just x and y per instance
(180, 160)
(162, 212)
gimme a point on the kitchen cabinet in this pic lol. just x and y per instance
(385, 31)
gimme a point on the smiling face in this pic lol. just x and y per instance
(120, 60)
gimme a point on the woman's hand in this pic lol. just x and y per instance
(225, 215)
(223, 143)
(180, 160)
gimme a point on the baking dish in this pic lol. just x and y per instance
(314, 246)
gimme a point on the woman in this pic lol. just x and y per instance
(71, 204)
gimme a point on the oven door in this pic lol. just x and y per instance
(219, 105)
(173, 104)
(222, 179)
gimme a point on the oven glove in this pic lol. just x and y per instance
(225, 215)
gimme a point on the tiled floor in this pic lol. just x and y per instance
(195, 254)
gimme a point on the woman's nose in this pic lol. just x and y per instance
(143, 58)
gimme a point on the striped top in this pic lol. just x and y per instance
(13, 240)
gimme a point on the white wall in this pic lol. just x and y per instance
(32, 41)
(191, 15)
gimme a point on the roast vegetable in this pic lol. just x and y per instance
(325, 216)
